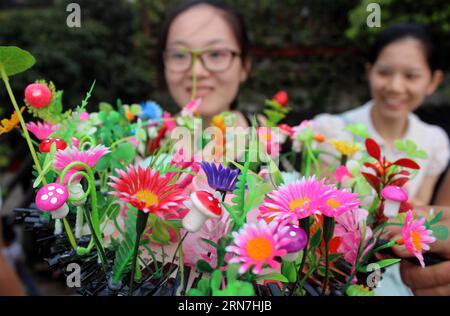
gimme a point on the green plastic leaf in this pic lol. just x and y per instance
(275, 173)
(436, 219)
(124, 152)
(204, 267)
(202, 288)
(259, 190)
(216, 280)
(103, 163)
(15, 60)
(160, 233)
(381, 264)
(440, 232)
(386, 245)
(289, 270)
(105, 107)
(273, 277)
(358, 130)
(124, 255)
(316, 238)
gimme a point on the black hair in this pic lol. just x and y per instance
(403, 31)
(231, 16)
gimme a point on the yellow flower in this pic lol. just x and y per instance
(344, 147)
(219, 122)
(7, 126)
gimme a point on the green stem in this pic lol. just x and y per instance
(194, 76)
(141, 222)
(305, 225)
(344, 159)
(92, 217)
(22, 123)
(313, 159)
(70, 235)
(328, 230)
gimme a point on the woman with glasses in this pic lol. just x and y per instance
(204, 54)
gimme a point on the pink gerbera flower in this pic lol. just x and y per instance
(349, 228)
(258, 245)
(42, 130)
(90, 157)
(416, 237)
(338, 202)
(295, 200)
(148, 192)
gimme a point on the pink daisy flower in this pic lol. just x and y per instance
(90, 157)
(349, 229)
(338, 202)
(258, 245)
(295, 200)
(416, 237)
(42, 130)
(148, 192)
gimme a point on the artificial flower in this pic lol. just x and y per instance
(220, 178)
(346, 148)
(271, 140)
(42, 130)
(349, 228)
(149, 192)
(304, 131)
(258, 245)
(69, 155)
(7, 126)
(338, 202)
(295, 200)
(151, 110)
(416, 237)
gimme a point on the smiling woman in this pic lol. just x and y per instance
(204, 53)
(403, 70)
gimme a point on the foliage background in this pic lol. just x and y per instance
(314, 49)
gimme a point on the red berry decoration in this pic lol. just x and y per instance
(45, 145)
(38, 95)
(282, 98)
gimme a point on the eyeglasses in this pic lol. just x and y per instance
(214, 60)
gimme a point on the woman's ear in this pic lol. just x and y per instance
(246, 68)
(436, 80)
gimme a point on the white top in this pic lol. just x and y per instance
(430, 138)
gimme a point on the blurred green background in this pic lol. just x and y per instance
(314, 49)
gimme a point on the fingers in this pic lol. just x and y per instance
(425, 278)
(435, 291)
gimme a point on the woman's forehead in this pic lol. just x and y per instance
(200, 27)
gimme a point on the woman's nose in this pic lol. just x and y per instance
(199, 68)
(397, 83)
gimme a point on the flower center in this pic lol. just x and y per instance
(416, 240)
(148, 197)
(259, 248)
(299, 203)
(333, 203)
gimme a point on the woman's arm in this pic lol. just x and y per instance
(443, 197)
(425, 192)
(9, 282)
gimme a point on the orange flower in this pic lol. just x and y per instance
(7, 126)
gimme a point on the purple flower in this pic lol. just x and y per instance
(220, 178)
